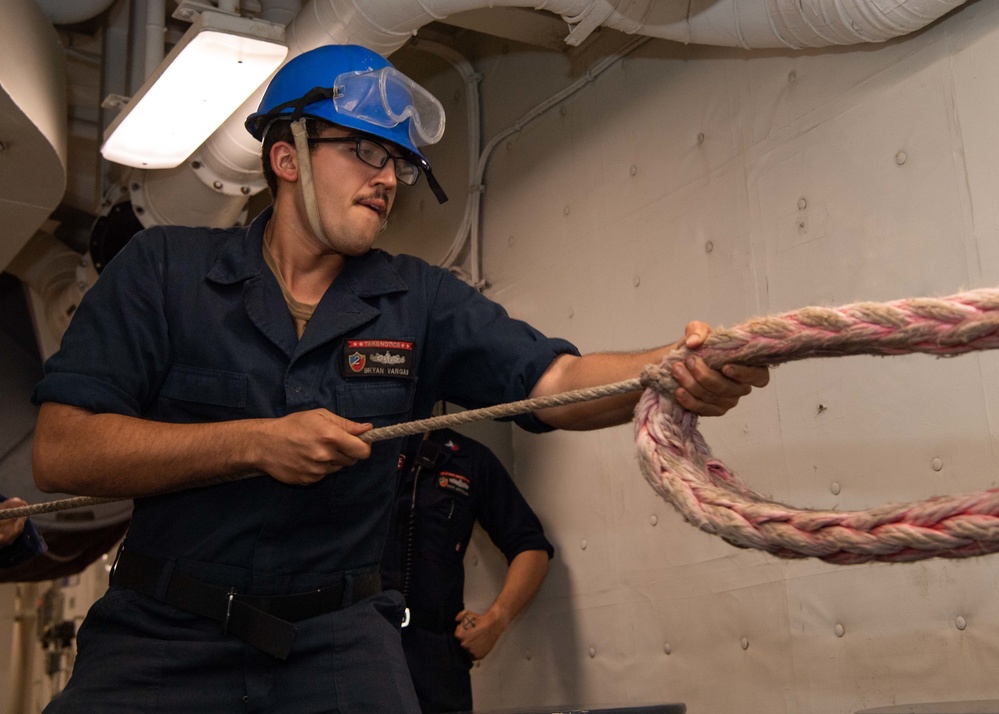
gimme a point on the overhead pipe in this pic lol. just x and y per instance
(230, 158)
(155, 35)
(773, 24)
(280, 12)
(473, 111)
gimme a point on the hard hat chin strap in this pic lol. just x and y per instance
(301, 135)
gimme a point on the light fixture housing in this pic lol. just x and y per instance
(215, 67)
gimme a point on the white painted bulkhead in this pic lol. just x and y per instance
(701, 183)
(717, 184)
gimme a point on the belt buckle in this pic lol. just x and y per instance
(405, 618)
(228, 611)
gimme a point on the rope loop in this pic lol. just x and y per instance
(678, 464)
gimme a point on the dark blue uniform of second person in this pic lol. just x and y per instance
(457, 482)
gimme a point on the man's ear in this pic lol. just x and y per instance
(284, 161)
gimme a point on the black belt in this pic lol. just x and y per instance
(261, 621)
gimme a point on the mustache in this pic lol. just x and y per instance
(377, 194)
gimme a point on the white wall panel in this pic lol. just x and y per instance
(694, 183)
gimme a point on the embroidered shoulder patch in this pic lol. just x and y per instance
(377, 358)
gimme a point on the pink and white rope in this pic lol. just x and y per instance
(678, 464)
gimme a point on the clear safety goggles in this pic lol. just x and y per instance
(386, 97)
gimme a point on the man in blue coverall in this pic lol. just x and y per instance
(202, 355)
(446, 483)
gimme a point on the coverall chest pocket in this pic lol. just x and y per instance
(380, 402)
(202, 394)
(441, 527)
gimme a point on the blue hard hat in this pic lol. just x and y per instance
(355, 88)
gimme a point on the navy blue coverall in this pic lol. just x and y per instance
(458, 481)
(190, 325)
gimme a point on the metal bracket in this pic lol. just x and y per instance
(584, 24)
(188, 10)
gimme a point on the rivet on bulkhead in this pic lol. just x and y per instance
(744, 643)
(839, 630)
(960, 623)
(936, 464)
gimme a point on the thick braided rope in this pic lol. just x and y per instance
(678, 463)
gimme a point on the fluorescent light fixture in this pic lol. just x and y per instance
(219, 62)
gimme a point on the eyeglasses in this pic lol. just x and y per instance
(374, 155)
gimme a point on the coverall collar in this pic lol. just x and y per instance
(342, 308)
(367, 275)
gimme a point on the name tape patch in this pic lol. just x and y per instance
(377, 358)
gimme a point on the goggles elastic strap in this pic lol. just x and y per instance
(301, 135)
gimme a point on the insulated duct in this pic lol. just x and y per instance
(229, 161)
(60, 12)
(33, 126)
